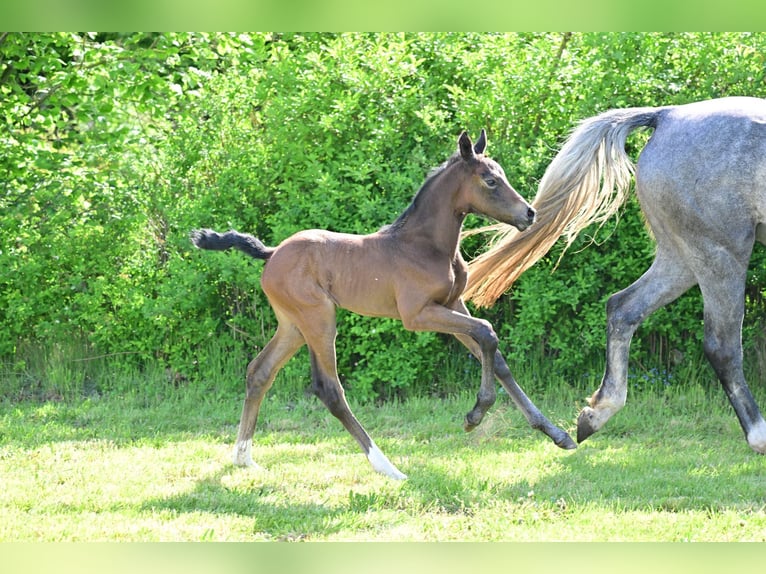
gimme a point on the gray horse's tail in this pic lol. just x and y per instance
(586, 183)
(209, 239)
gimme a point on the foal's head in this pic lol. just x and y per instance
(485, 189)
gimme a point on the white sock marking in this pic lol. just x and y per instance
(382, 465)
(756, 438)
(243, 454)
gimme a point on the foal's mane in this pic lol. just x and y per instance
(427, 184)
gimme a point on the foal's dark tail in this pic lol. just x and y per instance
(209, 239)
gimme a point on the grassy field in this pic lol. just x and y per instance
(672, 466)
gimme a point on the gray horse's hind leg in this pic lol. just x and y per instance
(723, 291)
(662, 283)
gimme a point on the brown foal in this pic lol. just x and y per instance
(410, 270)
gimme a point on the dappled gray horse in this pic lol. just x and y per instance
(410, 270)
(701, 182)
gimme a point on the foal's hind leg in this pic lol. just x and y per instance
(260, 376)
(663, 282)
(533, 415)
(318, 327)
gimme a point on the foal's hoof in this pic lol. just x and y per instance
(470, 423)
(585, 426)
(565, 442)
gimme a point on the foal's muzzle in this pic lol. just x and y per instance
(530, 219)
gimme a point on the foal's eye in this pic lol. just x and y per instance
(490, 181)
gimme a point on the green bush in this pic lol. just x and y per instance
(117, 145)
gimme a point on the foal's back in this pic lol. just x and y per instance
(318, 266)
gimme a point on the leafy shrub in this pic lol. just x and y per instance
(117, 145)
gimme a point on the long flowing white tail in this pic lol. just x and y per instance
(586, 183)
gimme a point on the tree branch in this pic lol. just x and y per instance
(556, 65)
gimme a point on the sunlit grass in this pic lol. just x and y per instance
(672, 465)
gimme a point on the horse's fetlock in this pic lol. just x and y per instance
(486, 399)
(537, 422)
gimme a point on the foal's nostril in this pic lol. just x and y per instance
(531, 214)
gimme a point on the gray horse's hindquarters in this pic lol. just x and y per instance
(701, 182)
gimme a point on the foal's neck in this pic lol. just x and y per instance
(435, 216)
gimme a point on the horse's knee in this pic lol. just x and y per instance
(484, 334)
(620, 317)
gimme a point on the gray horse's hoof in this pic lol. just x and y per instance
(585, 426)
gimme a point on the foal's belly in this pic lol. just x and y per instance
(366, 293)
(351, 271)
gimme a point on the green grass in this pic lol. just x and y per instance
(673, 465)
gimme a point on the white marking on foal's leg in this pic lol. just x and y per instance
(380, 463)
(756, 438)
(243, 454)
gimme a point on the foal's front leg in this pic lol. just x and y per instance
(481, 339)
(534, 417)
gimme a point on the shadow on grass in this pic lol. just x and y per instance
(273, 519)
(431, 489)
(615, 476)
(696, 462)
(31, 424)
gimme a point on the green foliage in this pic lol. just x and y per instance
(116, 145)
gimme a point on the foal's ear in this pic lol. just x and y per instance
(481, 143)
(465, 146)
